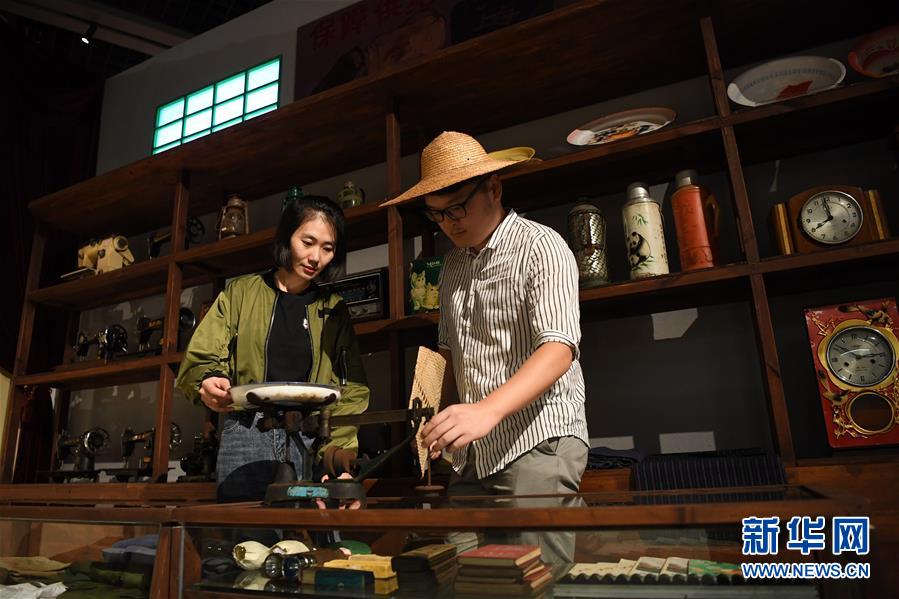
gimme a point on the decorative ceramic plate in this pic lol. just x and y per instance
(284, 394)
(877, 54)
(513, 154)
(786, 78)
(621, 125)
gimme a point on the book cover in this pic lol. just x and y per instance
(528, 587)
(423, 558)
(333, 579)
(507, 574)
(499, 555)
(528, 579)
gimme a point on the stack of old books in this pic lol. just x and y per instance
(508, 570)
(427, 568)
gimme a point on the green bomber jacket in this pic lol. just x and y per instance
(231, 341)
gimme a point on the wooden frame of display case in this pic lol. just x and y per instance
(381, 118)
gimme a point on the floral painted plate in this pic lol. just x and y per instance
(621, 125)
(877, 54)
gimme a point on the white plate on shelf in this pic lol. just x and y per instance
(284, 393)
(621, 125)
(877, 54)
(785, 78)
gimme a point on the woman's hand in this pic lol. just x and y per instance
(353, 505)
(215, 393)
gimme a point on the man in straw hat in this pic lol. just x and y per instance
(509, 327)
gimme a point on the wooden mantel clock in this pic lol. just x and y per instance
(828, 216)
(855, 351)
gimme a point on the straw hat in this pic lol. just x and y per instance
(449, 159)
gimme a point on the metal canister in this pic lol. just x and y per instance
(587, 240)
(690, 218)
(644, 233)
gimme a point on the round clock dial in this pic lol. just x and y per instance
(860, 356)
(831, 217)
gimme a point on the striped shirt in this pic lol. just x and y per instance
(496, 307)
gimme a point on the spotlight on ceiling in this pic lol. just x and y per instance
(89, 34)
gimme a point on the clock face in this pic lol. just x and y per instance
(860, 356)
(831, 217)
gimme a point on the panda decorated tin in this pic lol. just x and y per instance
(644, 233)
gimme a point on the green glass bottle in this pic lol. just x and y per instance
(294, 193)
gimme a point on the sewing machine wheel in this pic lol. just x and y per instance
(96, 439)
(195, 229)
(186, 319)
(114, 338)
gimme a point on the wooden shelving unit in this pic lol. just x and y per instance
(587, 52)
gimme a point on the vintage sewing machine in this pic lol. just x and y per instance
(147, 326)
(306, 408)
(103, 255)
(110, 341)
(83, 448)
(199, 464)
(195, 232)
(130, 440)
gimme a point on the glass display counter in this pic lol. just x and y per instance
(623, 544)
(78, 552)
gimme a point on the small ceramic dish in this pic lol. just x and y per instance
(786, 78)
(877, 54)
(283, 394)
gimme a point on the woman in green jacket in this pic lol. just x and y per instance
(277, 326)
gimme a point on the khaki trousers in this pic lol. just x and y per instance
(555, 466)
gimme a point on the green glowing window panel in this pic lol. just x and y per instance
(217, 106)
(228, 110)
(170, 112)
(198, 122)
(265, 96)
(264, 73)
(230, 88)
(199, 100)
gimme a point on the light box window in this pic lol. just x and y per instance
(218, 106)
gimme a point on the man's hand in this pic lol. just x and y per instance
(215, 393)
(458, 425)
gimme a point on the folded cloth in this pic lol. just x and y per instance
(150, 541)
(30, 590)
(37, 565)
(132, 554)
(98, 590)
(131, 576)
(606, 458)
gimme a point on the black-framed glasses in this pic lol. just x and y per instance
(456, 211)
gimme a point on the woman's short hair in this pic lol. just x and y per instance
(297, 212)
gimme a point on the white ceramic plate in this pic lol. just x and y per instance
(283, 394)
(786, 78)
(621, 125)
(877, 54)
(513, 154)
